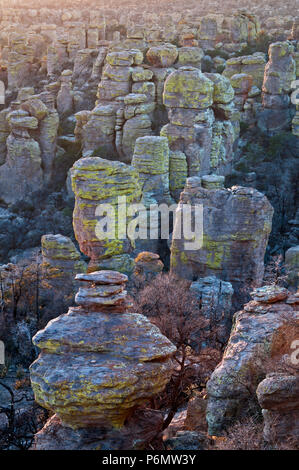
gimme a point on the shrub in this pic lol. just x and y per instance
(170, 305)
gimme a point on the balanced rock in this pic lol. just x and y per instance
(97, 362)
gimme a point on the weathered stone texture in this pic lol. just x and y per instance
(97, 362)
(236, 227)
(96, 181)
(256, 332)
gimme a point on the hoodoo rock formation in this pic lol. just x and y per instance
(99, 362)
(97, 181)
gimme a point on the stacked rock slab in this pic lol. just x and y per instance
(98, 362)
(235, 29)
(190, 96)
(278, 396)
(123, 112)
(236, 226)
(280, 72)
(256, 332)
(20, 61)
(96, 181)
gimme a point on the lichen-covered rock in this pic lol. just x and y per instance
(98, 133)
(278, 396)
(35, 107)
(236, 226)
(188, 88)
(223, 90)
(178, 172)
(193, 129)
(257, 331)
(141, 74)
(280, 72)
(253, 65)
(97, 362)
(162, 56)
(151, 161)
(190, 56)
(96, 181)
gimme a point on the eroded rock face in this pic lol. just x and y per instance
(280, 72)
(97, 181)
(292, 265)
(61, 261)
(256, 332)
(253, 65)
(98, 362)
(21, 173)
(278, 396)
(236, 227)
